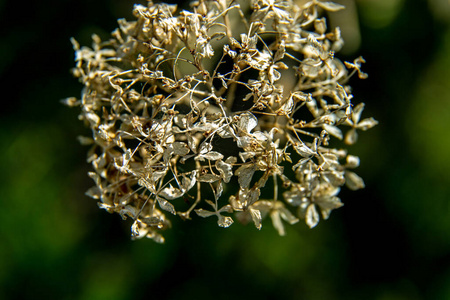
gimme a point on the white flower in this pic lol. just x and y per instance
(223, 221)
(354, 121)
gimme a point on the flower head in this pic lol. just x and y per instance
(242, 107)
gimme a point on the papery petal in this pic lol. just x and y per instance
(171, 192)
(288, 106)
(311, 67)
(327, 204)
(245, 174)
(166, 205)
(212, 155)
(180, 148)
(300, 163)
(277, 223)
(312, 216)
(274, 75)
(225, 132)
(352, 161)
(204, 213)
(204, 148)
(224, 221)
(320, 25)
(333, 130)
(356, 113)
(351, 136)
(301, 97)
(227, 208)
(303, 150)
(188, 183)
(92, 118)
(225, 170)
(247, 122)
(85, 141)
(246, 155)
(128, 210)
(145, 183)
(253, 196)
(109, 208)
(353, 181)
(136, 232)
(294, 198)
(367, 123)
(335, 178)
(151, 234)
(168, 152)
(256, 217)
(330, 6)
(287, 215)
(94, 192)
(219, 190)
(210, 178)
(156, 175)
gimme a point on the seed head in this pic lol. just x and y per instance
(231, 110)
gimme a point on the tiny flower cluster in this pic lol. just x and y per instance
(228, 110)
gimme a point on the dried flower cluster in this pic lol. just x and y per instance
(227, 110)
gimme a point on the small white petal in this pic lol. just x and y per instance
(171, 192)
(327, 204)
(287, 215)
(219, 190)
(367, 123)
(351, 136)
(156, 175)
(303, 150)
(335, 178)
(356, 113)
(94, 192)
(166, 205)
(227, 208)
(245, 174)
(288, 106)
(212, 155)
(276, 221)
(352, 161)
(204, 148)
(128, 210)
(312, 216)
(225, 170)
(224, 221)
(246, 155)
(92, 118)
(210, 178)
(135, 232)
(85, 141)
(333, 130)
(180, 148)
(145, 183)
(330, 6)
(188, 183)
(310, 67)
(253, 196)
(256, 217)
(204, 213)
(247, 122)
(353, 181)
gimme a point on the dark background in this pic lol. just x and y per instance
(391, 241)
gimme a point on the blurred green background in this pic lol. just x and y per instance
(391, 241)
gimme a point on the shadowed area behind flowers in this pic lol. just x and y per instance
(389, 241)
